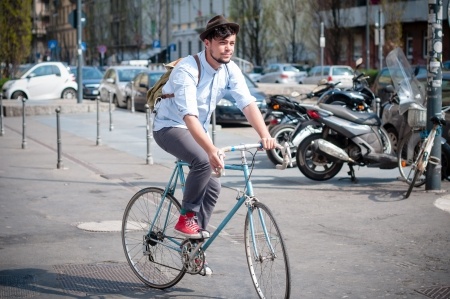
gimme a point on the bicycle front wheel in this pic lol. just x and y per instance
(266, 253)
(151, 251)
(408, 157)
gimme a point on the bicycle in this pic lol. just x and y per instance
(414, 154)
(160, 259)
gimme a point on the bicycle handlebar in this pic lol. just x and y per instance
(285, 150)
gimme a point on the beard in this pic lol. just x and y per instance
(219, 59)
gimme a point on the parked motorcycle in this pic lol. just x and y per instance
(358, 98)
(355, 138)
(360, 135)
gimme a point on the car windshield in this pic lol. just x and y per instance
(290, 68)
(339, 71)
(22, 69)
(128, 74)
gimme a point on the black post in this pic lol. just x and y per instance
(2, 130)
(111, 126)
(24, 124)
(59, 165)
(434, 88)
(98, 121)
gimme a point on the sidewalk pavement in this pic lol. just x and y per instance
(60, 227)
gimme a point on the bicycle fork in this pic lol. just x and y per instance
(258, 257)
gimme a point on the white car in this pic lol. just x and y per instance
(42, 81)
(331, 73)
(281, 73)
(114, 82)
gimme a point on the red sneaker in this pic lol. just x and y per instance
(188, 227)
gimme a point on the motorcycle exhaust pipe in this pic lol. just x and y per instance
(330, 151)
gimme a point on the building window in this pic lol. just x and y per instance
(425, 44)
(200, 45)
(189, 47)
(180, 53)
(409, 47)
(357, 46)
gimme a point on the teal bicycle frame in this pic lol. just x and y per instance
(178, 175)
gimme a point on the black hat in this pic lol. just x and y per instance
(216, 22)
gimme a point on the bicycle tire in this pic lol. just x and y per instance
(269, 271)
(407, 155)
(417, 174)
(161, 265)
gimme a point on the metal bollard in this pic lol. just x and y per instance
(111, 126)
(2, 130)
(24, 124)
(132, 96)
(98, 121)
(149, 133)
(59, 165)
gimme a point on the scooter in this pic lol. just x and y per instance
(351, 138)
(359, 135)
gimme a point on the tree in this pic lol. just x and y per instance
(336, 18)
(292, 27)
(15, 33)
(256, 36)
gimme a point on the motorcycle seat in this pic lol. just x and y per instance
(363, 118)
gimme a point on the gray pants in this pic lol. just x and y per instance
(202, 190)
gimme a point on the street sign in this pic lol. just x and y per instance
(102, 49)
(52, 44)
(156, 44)
(173, 47)
(83, 46)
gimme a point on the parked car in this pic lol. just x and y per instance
(42, 81)
(281, 73)
(114, 81)
(228, 113)
(142, 82)
(91, 77)
(335, 73)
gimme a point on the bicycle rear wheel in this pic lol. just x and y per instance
(408, 157)
(417, 174)
(153, 255)
(266, 254)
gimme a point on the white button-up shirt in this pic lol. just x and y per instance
(199, 100)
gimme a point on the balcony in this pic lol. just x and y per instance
(201, 22)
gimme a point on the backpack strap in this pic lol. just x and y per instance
(197, 60)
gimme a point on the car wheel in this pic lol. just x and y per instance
(18, 94)
(69, 94)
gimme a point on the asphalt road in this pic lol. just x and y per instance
(60, 238)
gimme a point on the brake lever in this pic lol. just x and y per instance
(287, 158)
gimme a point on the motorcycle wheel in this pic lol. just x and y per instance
(282, 134)
(315, 166)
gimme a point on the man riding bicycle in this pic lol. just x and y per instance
(181, 122)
